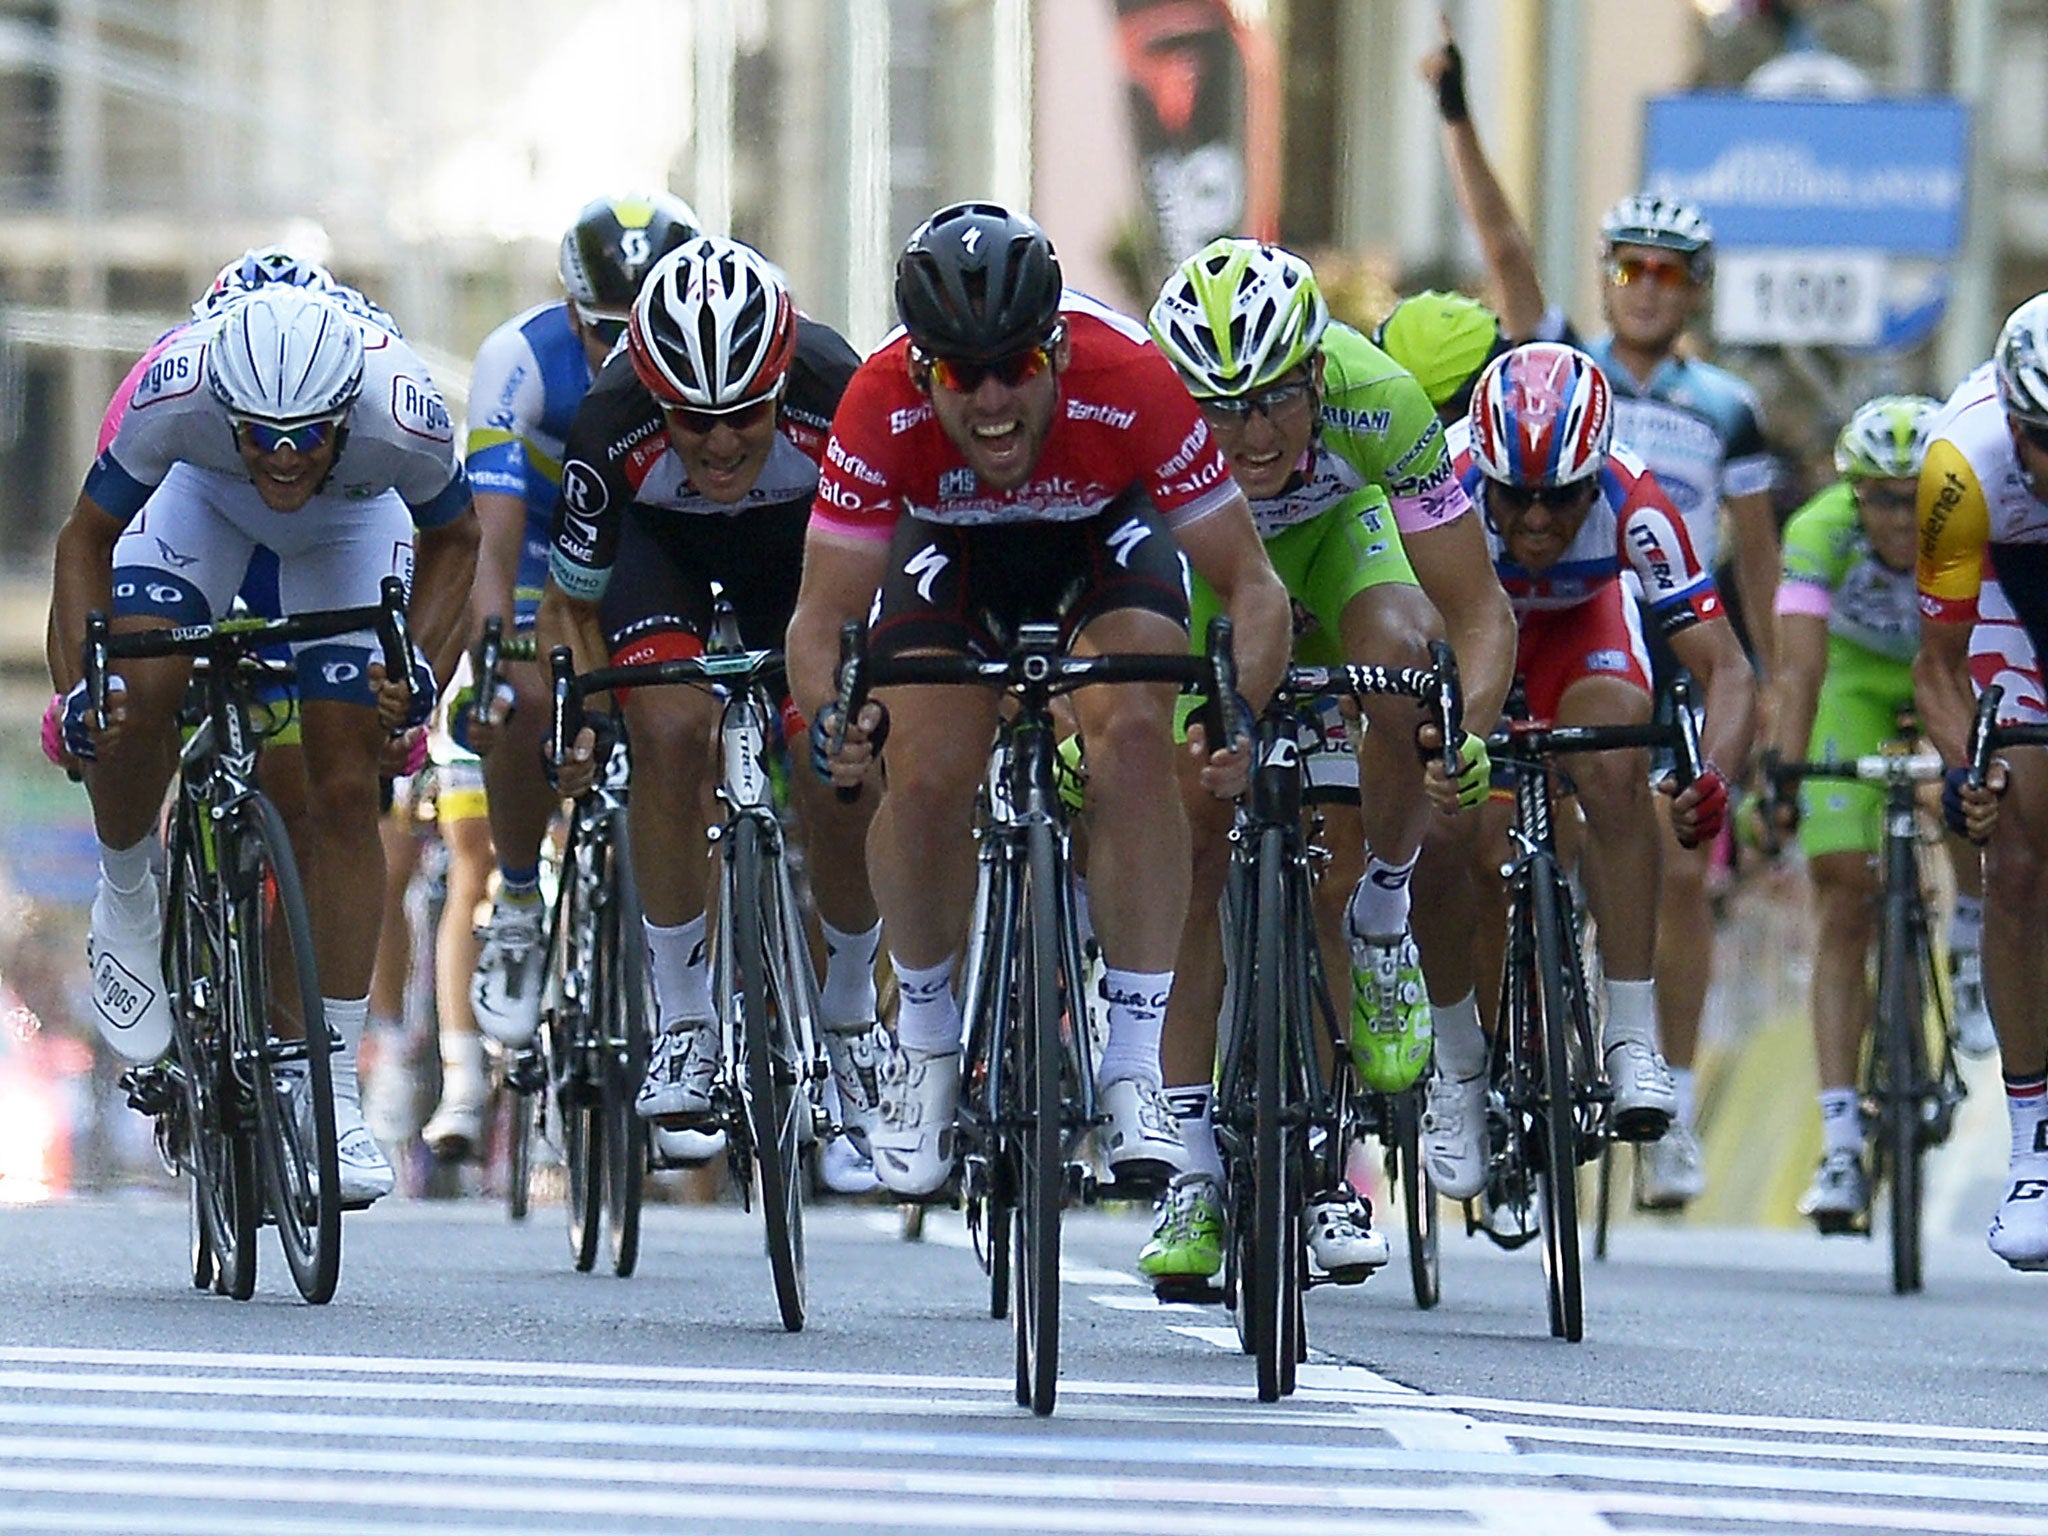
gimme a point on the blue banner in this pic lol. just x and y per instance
(1876, 175)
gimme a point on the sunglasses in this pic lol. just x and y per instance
(606, 326)
(964, 378)
(1552, 498)
(263, 438)
(1237, 410)
(1876, 500)
(704, 423)
(1663, 271)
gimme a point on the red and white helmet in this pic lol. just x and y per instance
(713, 327)
(1542, 415)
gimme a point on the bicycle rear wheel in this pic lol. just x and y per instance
(1900, 1048)
(774, 1098)
(624, 955)
(576, 992)
(215, 1134)
(518, 1108)
(1041, 1144)
(276, 989)
(1557, 1177)
(1418, 1200)
(1269, 1295)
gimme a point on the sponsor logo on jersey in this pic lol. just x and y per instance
(174, 374)
(1208, 475)
(583, 489)
(852, 463)
(957, 482)
(1945, 503)
(1376, 423)
(1663, 574)
(835, 494)
(1108, 415)
(418, 408)
(173, 558)
(1607, 661)
(1184, 455)
(901, 421)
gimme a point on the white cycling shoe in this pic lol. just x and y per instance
(857, 1056)
(912, 1139)
(1454, 1135)
(682, 1071)
(1341, 1236)
(123, 951)
(366, 1174)
(1972, 1022)
(1142, 1140)
(504, 993)
(1671, 1174)
(1645, 1097)
(685, 1148)
(2019, 1228)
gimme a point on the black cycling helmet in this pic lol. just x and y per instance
(977, 282)
(615, 240)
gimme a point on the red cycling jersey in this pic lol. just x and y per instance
(1124, 422)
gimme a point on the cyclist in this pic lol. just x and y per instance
(1019, 453)
(693, 460)
(531, 374)
(1848, 628)
(1568, 510)
(290, 425)
(1351, 486)
(1983, 519)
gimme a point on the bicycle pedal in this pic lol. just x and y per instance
(1186, 1290)
(149, 1090)
(1640, 1125)
(526, 1074)
(1842, 1225)
(1350, 1274)
(357, 1205)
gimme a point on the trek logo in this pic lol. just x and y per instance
(583, 489)
(924, 567)
(1128, 538)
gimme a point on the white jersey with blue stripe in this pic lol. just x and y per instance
(531, 374)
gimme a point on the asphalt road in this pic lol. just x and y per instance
(464, 1377)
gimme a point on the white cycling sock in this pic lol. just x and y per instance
(847, 999)
(1682, 1083)
(127, 870)
(679, 960)
(1379, 902)
(1194, 1106)
(1841, 1120)
(2026, 1104)
(1966, 924)
(1460, 1042)
(1137, 1018)
(1084, 919)
(927, 1012)
(346, 1017)
(462, 1059)
(1631, 1014)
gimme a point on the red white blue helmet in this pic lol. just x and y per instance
(1542, 415)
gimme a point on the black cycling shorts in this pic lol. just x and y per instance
(666, 562)
(968, 588)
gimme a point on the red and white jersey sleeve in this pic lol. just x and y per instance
(1124, 423)
(1653, 544)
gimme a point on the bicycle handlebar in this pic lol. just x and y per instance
(1525, 740)
(1987, 736)
(1872, 768)
(713, 669)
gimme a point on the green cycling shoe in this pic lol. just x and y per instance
(1186, 1249)
(1392, 1033)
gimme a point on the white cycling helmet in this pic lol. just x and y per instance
(1664, 223)
(713, 327)
(1238, 314)
(2021, 360)
(1886, 439)
(260, 267)
(285, 355)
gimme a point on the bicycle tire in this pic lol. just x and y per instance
(773, 1100)
(1267, 1271)
(1901, 1016)
(576, 982)
(1558, 1172)
(1042, 1160)
(625, 1054)
(1418, 1201)
(519, 1111)
(218, 1142)
(268, 903)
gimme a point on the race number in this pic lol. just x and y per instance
(1799, 298)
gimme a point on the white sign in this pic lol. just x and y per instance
(1799, 297)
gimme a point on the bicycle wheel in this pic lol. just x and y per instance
(1900, 1048)
(276, 990)
(1557, 1176)
(1267, 1272)
(624, 1037)
(1418, 1200)
(1041, 1163)
(518, 1109)
(215, 1138)
(775, 1102)
(576, 989)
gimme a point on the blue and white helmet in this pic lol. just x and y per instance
(260, 267)
(285, 355)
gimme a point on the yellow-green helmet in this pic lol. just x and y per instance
(1886, 439)
(1444, 339)
(1238, 314)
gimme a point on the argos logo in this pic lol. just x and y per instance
(418, 408)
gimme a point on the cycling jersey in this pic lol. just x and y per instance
(619, 459)
(399, 435)
(1124, 423)
(1630, 527)
(1831, 572)
(1696, 426)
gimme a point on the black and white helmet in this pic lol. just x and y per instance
(713, 328)
(1665, 223)
(2021, 360)
(285, 355)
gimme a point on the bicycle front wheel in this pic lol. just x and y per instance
(1041, 1145)
(276, 994)
(575, 1003)
(1557, 1176)
(624, 956)
(1268, 1274)
(775, 1101)
(1418, 1199)
(1900, 1047)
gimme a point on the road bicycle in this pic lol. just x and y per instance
(1549, 1105)
(768, 1098)
(1027, 1087)
(1288, 1103)
(1911, 1085)
(244, 1097)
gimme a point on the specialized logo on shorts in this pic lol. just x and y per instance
(118, 993)
(583, 489)
(1607, 661)
(1128, 538)
(925, 566)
